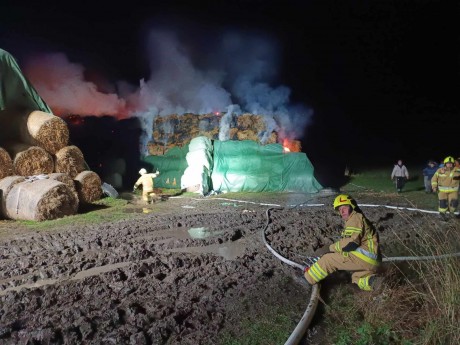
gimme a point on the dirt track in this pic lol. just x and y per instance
(186, 272)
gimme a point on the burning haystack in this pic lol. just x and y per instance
(178, 130)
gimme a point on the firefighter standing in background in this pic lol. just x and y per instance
(445, 181)
(357, 250)
(146, 180)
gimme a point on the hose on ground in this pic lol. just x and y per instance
(299, 331)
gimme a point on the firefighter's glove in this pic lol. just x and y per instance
(321, 251)
(157, 172)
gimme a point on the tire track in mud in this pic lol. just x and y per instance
(149, 281)
(123, 282)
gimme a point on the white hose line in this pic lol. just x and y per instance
(321, 204)
(299, 331)
(307, 316)
(420, 258)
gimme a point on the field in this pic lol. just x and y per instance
(194, 270)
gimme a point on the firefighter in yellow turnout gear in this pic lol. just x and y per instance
(146, 180)
(446, 181)
(357, 250)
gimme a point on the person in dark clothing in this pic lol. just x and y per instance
(428, 173)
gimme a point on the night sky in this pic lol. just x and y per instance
(382, 77)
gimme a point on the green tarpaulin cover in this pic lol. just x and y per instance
(15, 90)
(243, 166)
(246, 166)
(171, 166)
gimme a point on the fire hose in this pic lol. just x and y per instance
(299, 331)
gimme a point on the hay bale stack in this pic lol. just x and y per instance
(35, 128)
(47, 131)
(89, 186)
(67, 180)
(30, 160)
(6, 184)
(38, 200)
(69, 160)
(6, 164)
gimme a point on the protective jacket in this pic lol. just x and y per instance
(146, 181)
(400, 171)
(359, 238)
(446, 180)
(357, 251)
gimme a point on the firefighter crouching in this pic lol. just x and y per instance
(146, 180)
(357, 250)
(445, 181)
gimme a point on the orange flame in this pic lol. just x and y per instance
(291, 145)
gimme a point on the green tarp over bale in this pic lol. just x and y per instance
(15, 90)
(171, 166)
(241, 166)
(246, 166)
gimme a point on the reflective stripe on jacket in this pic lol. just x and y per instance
(359, 230)
(446, 180)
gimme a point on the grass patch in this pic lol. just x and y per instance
(377, 182)
(273, 329)
(100, 211)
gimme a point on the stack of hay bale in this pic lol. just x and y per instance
(177, 130)
(42, 177)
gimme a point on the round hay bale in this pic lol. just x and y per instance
(69, 160)
(47, 131)
(89, 186)
(39, 200)
(34, 128)
(6, 184)
(67, 180)
(30, 160)
(6, 164)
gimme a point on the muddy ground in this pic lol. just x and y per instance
(185, 270)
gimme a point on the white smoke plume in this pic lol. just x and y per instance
(235, 73)
(62, 85)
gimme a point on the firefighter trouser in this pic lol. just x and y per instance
(147, 195)
(332, 262)
(448, 201)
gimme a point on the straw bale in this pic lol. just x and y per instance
(35, 128)
(38, 200)
(250, 121)
(30, 160)
(6, 164)
(247, 135)
(6, 184)
(89, 186)
(48, 131)
(67, 180)
(69, 160)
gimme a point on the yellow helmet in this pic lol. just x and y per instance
(344, 199)
(449, 159)
(142, 171)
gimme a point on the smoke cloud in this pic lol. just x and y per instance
(63, 87)
(233, 74)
